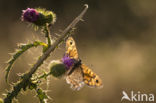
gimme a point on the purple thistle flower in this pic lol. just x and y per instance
(30, 15)
(68, 61)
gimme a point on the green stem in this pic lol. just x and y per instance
(47, 35)
(43, 75)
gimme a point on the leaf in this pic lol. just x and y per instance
(19, 52)
(41, 95)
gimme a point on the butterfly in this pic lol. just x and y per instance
(79, 74)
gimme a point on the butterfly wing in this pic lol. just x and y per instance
(71, 49)
(75, 79)
(90, 78)
(74, 76)
(80, 74)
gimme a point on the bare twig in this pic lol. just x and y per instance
(23, 83)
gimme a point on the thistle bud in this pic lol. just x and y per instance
(57, 68)
(39, 17)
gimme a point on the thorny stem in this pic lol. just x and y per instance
(24, 82)
(44, 75)
(47, 35)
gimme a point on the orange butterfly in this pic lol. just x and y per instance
(79, 74)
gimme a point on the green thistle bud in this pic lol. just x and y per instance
(45, 17)
(1, 100)
(57, 68)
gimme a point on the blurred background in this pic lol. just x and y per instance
(117, 40)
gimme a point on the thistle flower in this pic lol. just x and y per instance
(30, 15)
(67, 61)
(39, 17)
(57, 68)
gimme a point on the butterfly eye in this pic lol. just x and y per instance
(71, 43)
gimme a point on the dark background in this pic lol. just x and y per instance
(116, 40)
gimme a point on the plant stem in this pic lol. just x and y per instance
(43, 75)
(24, 82)
(47, 35)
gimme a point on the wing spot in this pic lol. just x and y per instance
(71, 43)
(97, 81)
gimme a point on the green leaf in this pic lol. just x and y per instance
(41, 95)
(1, 100)
(19, 52)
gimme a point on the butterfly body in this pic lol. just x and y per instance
(78, 73)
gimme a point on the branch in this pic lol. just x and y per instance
(23, 83)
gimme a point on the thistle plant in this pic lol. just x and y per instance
(40, 19)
